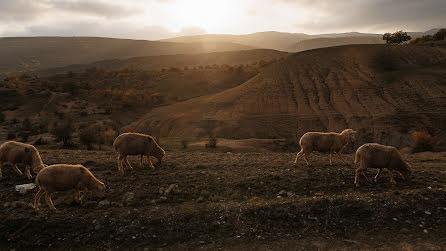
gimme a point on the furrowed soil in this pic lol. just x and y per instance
(232, 201)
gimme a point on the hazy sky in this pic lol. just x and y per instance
(157, 19)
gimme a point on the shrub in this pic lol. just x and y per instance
(423, 141)
(212, 143)
(185, 143)
(63, 130)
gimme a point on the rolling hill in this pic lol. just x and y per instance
(35, 53)
(182, 60)
(383, 91)
(316, 43)
(269, 40)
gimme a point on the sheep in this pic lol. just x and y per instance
(324, 142)
(136, 144)
(63, 177)
(374, 155)
(17, 152)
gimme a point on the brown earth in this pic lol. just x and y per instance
(232, 201)
(384, 91)
(324, 42)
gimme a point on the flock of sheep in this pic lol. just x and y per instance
(63, 177)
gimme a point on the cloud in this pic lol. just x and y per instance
(20, 10)
(378, 15)
(108, 9)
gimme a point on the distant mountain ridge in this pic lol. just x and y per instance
(34, 53)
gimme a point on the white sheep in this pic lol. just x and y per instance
(374, 155)
(63, 177)
(136, 144)
(324, 142)
(20, 153)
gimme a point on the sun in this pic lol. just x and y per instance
(206, 14)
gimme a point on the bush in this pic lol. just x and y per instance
(63, 130)
(396, 38)
(185, 143)
(212, 143)
(423, 142)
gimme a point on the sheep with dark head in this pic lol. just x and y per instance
(378, 156)
(324, 142)
(20, 153)
(137, 144)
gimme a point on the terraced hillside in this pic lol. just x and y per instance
(384, 92)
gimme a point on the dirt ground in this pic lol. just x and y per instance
(232, 201)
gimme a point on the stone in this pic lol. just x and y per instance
(128, 197)
(170, 189)
(200, 199)
(104, 203)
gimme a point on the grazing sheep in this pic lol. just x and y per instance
(137, 144)
(324, 142)
(17, 152)
(62, 177)
(374, 155)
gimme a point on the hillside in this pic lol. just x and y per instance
(384, 92)
(316, 43)
(267, 40)
(281, 41)
(34, 53)
(180, 61)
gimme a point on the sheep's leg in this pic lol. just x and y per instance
(299, 154)
(306, 158)
(16, 168)
(330, 159)
(357, 176)
(377, 175)
(49, 201)
(141, 162)
(28, 173)
(150, 162)
(340, 156)
(392, 180)
(127, 163)
(365, 176)
(37, 199)
(120, 168)
(78, 197)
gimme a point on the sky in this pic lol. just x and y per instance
(159, 19)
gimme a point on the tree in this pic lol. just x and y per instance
(396, 38)
(63, 130)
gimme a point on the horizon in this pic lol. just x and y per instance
(163, 19)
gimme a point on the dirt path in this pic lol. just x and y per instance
(232, 201)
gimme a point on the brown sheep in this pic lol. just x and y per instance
(62, 177)
(324, 142)
(20, 153)
(374, 155)
(136, 144)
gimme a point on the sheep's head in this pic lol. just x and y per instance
(350, 133)
(159, 153)
(405, 171)
(98, 188)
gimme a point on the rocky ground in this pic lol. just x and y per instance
(216, 200)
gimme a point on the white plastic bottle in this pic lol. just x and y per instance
(25, 187)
